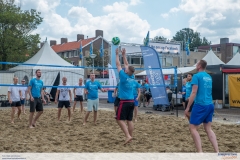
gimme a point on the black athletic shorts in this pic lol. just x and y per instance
(36, 105)
(183, 99)
(78, 98)
(64, 103)
(116, 102)
(16, 104)
(125, 110)
(190, 109)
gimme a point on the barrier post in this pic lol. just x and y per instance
(175, 85)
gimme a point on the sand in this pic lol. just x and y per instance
(153, 133)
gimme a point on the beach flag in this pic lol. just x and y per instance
(101, 50)
(91, 48)
(146, 40)
(187, 47)
(80, 51)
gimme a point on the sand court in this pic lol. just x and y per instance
(153, 133)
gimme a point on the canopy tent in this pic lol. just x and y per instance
(51, 65)
(211, 59)
(232, 67)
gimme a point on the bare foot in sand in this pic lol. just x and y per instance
(12, 122)
(84, 123)
(128, 140)
(31, 127)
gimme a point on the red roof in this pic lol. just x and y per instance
(71, 45)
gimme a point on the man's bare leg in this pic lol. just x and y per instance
(196, 137)
(59, 113)
(123, 126)
(31, 119)
(13, 113)
(69, 114)
(86, 117)
(135, 113)
(19, 112)
(95, 117)
(74, 105)
(130, 128)
(81, 106)
(36, 118)
(211, 136)
(23, 109)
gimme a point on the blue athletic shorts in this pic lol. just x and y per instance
(135, 101)
(22, 101)
(201, 114)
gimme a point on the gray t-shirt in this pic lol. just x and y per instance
(64, 93)
(14, 93)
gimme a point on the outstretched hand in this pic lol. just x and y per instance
(123, 51)
(116, 51)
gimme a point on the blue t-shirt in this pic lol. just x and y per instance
(188, 90)
(37, 86)
(92, 88)
(184, 90)
(136, 86)
(125, 86)
(204, 93)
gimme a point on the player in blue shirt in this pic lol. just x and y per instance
(136, 94)
(91, 90)
(188, 92)
(126, 105)
(35, 93)
(203, 109)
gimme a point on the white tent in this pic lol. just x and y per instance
(212, 59)
(50, 65)
(235, 60)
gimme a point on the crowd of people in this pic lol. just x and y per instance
(197, 95)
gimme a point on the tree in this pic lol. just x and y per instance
(188, 34)
(159, 38)
(98, 61)
(17, 44)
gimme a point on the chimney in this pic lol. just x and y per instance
(98, 33)
(64, 40)
(224, 40)
(53, 42)
(80, 37)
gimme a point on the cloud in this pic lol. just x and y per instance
(210, 19)
(116, 7)
(135, 2)
(164, 15)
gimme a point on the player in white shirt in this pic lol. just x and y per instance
(24, 91)
(14, 95)
(65, 97)
(78, 94)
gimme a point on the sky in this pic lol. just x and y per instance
(130, 20)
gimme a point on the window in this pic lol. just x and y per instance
(72, 53)
(188, 61)
(67, 54)
(135, 60)
(195, 60)
(75, 53)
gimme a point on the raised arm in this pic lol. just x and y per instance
(118, 64)
(124, 58)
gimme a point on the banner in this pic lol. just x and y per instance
(155, 76)
(112, 77)
(165, 48)
(234, 89)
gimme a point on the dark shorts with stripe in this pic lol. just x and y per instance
(36, 105)
(125, 110)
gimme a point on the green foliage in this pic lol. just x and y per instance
(195, 39)
(17, 44)
(98, 61)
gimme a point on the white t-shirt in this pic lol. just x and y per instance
(64, 93)
(15, 96)
(79, 91)
(23, 90)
